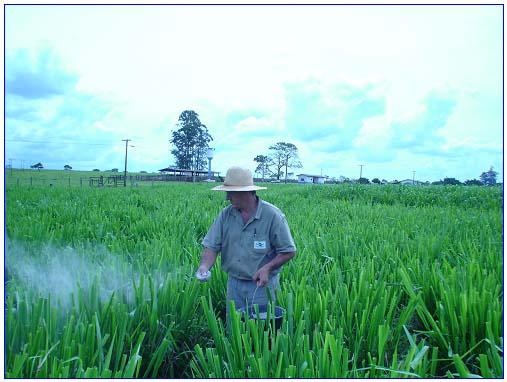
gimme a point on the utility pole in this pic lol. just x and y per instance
(361, 171)
(413, 177)
(10, 165)
(125, 173)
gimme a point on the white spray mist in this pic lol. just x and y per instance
(60, 272)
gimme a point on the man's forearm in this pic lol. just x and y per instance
(208, 258)
(279, 260)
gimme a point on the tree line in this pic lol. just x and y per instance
(487, 178)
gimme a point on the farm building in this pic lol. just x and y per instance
(188, 173)
(306, 178)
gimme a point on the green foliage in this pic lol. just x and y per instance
(191, 141)
(473, 182)
(264, 164)
(489, 177)
(284, 155)
(393, 281)
(451, 181)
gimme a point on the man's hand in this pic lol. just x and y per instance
(208, 258)
(262, 276)
(202, 275)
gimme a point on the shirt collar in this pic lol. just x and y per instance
(259, 209)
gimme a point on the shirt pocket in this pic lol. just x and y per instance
(259, 245)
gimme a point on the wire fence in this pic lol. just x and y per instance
(99, 181)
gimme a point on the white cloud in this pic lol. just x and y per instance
(148, 64)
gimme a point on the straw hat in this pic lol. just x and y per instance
(238, 179)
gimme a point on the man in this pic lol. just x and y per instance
(254, 239)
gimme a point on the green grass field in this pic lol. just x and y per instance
(388, 281)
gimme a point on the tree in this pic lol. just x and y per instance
(473, 182)
(114, 170)
(264, 162)
(489, 178)
(67, 167)
(375, 180)
(37, 166)
(96, 170)
(363, 181)
(451, 181)
(190, 141)
(282, 155)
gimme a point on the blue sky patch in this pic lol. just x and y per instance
(37, 77)
(417, 132)
(336, 113)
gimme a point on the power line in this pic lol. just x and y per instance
(71, 143)
(60, 143)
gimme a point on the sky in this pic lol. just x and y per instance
(395, 89)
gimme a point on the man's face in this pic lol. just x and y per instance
(236, 198)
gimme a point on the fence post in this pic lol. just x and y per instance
(81, 181)
(31, 181)
(17, 181)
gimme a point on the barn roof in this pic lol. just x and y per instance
(182, 170)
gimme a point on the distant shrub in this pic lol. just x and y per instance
(473, 182)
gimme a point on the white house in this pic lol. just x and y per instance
(306, 178)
